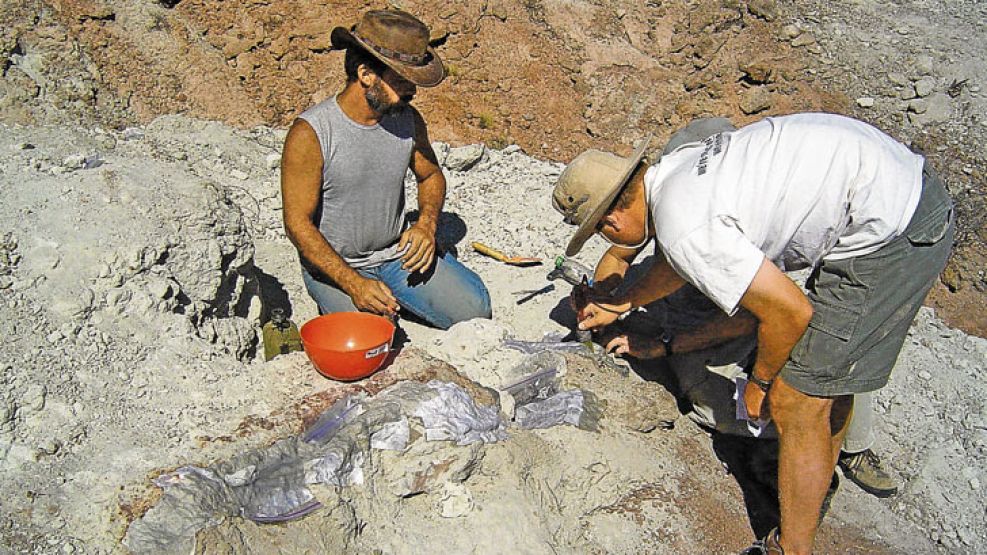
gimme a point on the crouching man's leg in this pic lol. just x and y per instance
(811, 431)
(445, 294)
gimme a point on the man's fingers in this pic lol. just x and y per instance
(594, 318)
(377, 298)
(617, 345)
(422, 260)
(388, 299)
(416, 263)
(754, 399)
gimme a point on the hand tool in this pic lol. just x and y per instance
(497, 255)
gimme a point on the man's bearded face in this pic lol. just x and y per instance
(384, 100)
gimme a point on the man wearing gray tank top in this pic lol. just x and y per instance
(342, 182)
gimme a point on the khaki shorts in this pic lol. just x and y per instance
(865, 305)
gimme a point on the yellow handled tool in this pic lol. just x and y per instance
(497, 255)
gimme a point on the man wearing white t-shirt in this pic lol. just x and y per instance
(734, 212)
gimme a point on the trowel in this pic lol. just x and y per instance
(497, 255)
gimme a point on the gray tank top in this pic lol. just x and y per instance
(363, 169)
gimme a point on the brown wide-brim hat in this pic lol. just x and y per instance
(399, 40)
(588, 186)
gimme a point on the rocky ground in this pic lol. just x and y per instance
(141, 249)
(552, 77)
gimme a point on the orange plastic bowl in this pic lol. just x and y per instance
(347, 346)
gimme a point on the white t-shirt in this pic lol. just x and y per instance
(795, 189)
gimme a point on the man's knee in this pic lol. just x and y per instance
(475, 305)
(790, 407)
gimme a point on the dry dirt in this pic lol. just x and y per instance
(128, 346)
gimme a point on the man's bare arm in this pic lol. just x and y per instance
(659, 281)
(783, 313)
(718, 330)
(301, 187)
(612, 268)
(420, 238)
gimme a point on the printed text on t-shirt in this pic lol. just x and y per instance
(713, 146)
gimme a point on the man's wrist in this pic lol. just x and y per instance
(428, 223)
(763, 385)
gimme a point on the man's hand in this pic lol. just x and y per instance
(371, 295)
(420, 245)
(597, 314)
(754, 398)
(636, 345)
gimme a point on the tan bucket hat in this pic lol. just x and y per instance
(397, 39)
(587, 188)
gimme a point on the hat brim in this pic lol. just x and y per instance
(588, 227)
(428, 75)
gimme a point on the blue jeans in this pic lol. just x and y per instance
(444, 295)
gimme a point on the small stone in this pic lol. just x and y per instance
(918, 106)
(74, 161)
(35, 398)
(755, 100)
(974, 483)
(91, 162)
(117, 296)
(758, 71)
(159, 288)
(239, 175)
(464, 157)
(898, 79)
(925, 375)
(58, 170)
(907, 93)
(925, 64)
(791, 31)
(865, 102)
(7, 412)
(50, 446)
(925, 86)
(24, 146)
(273, 161)
(133, 134)
(805, 39)
(940, 110)
(765, 9)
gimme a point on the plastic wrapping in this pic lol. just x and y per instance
(575, 407)
(453, 415)
(540, 402)
(270, 485)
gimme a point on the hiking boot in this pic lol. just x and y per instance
(865, 470)
(767, 546)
